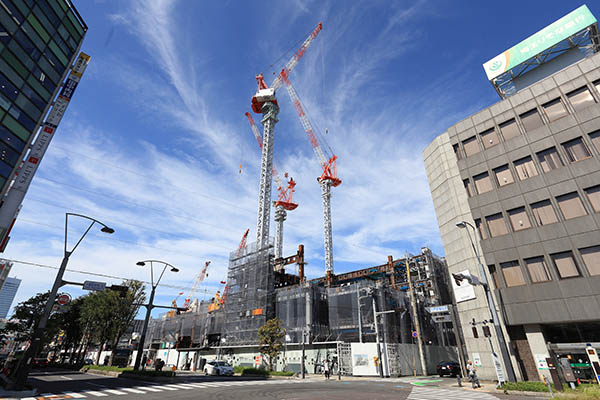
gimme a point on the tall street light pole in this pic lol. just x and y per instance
(36, 340)
(150, 305)
(491, 304)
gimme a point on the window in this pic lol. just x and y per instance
(531, 120)
(543, 213)
(570, 205)
(525, 168)
(595, 136)
(468, 187)
(510, 129)
(482, 232)
(496, 225)
(538, 270)
(503, 175)
(576, 150)
(471, 146)
(593, 195)
(565, 264)
(519, 219)
(581, 98)
(513, 276)
(591, 259)
(549, 159)
(483, 183)
(489, 138)
(555, 109)
(494, 274)
(8, 155)
(457, 151)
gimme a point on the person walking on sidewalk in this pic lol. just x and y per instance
(472, 371)
(326, 368)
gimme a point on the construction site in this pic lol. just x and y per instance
(374, 320)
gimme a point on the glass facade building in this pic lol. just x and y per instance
(7, 295)
(39, 40)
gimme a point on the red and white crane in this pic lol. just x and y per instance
(242, 245)
(284, 202)
(265, 102)
(328, 177)
(199, 278)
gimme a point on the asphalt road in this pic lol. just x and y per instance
(74, 385)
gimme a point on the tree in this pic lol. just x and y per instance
(269, 336)
(108, 314)
(25, 319)
(69, 322)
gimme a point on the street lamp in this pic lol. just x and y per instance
(491, 304)
(150, 305)
(36, 340)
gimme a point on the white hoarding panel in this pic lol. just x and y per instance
(464, 291)
(363, 359)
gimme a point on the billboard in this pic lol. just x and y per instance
(554, 33)
(463, 291)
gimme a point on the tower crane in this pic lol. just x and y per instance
(284, 203)
(265, 102)
(328, 177)
(199, 279)
(242, 245)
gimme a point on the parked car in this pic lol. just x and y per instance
(451, 368)
(88, 361)
(215, 367)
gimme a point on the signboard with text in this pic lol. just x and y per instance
(551, 35)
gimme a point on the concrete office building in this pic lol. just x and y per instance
(526, 173)
(7, 295)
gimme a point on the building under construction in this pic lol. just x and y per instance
(324, 313)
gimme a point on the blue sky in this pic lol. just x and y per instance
(153, 139)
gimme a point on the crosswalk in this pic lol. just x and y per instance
(428, 393)
(153, 388)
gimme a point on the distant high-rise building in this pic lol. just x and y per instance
(7, 295)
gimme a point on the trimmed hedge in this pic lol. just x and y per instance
(130, 371)
(249, 371)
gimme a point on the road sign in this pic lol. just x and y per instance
(63, 299)
(441, 318)
(498, 367)
(93, 285)
(414, 334)
(438, 309)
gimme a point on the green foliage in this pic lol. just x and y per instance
(129, 370)
(107, 315)
(25, 319)
(529, 386)
(583, 392)
(282, 373)
(269, 336)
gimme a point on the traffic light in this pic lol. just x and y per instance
(486, 331)
(119, 288)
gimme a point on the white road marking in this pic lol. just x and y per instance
(166, 388)
(95, 393)
(75, 395)
(150, 388)
(132, 390)
(178, 386)
(66, 378)
(114, 391)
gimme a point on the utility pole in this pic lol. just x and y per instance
(360, 335)
(377, 336)
(303, 354)
(413, 305)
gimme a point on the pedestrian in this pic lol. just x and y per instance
(144, 361)
(326, 368)
(472, 371)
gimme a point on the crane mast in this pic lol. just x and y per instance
(328, 177)
(265, 102)
(284, 201)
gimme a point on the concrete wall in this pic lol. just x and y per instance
(451, 205)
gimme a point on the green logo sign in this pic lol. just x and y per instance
(495, 65)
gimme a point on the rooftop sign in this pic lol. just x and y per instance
(554, 33)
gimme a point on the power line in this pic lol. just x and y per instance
(98, 274)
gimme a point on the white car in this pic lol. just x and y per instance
(218, 368)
